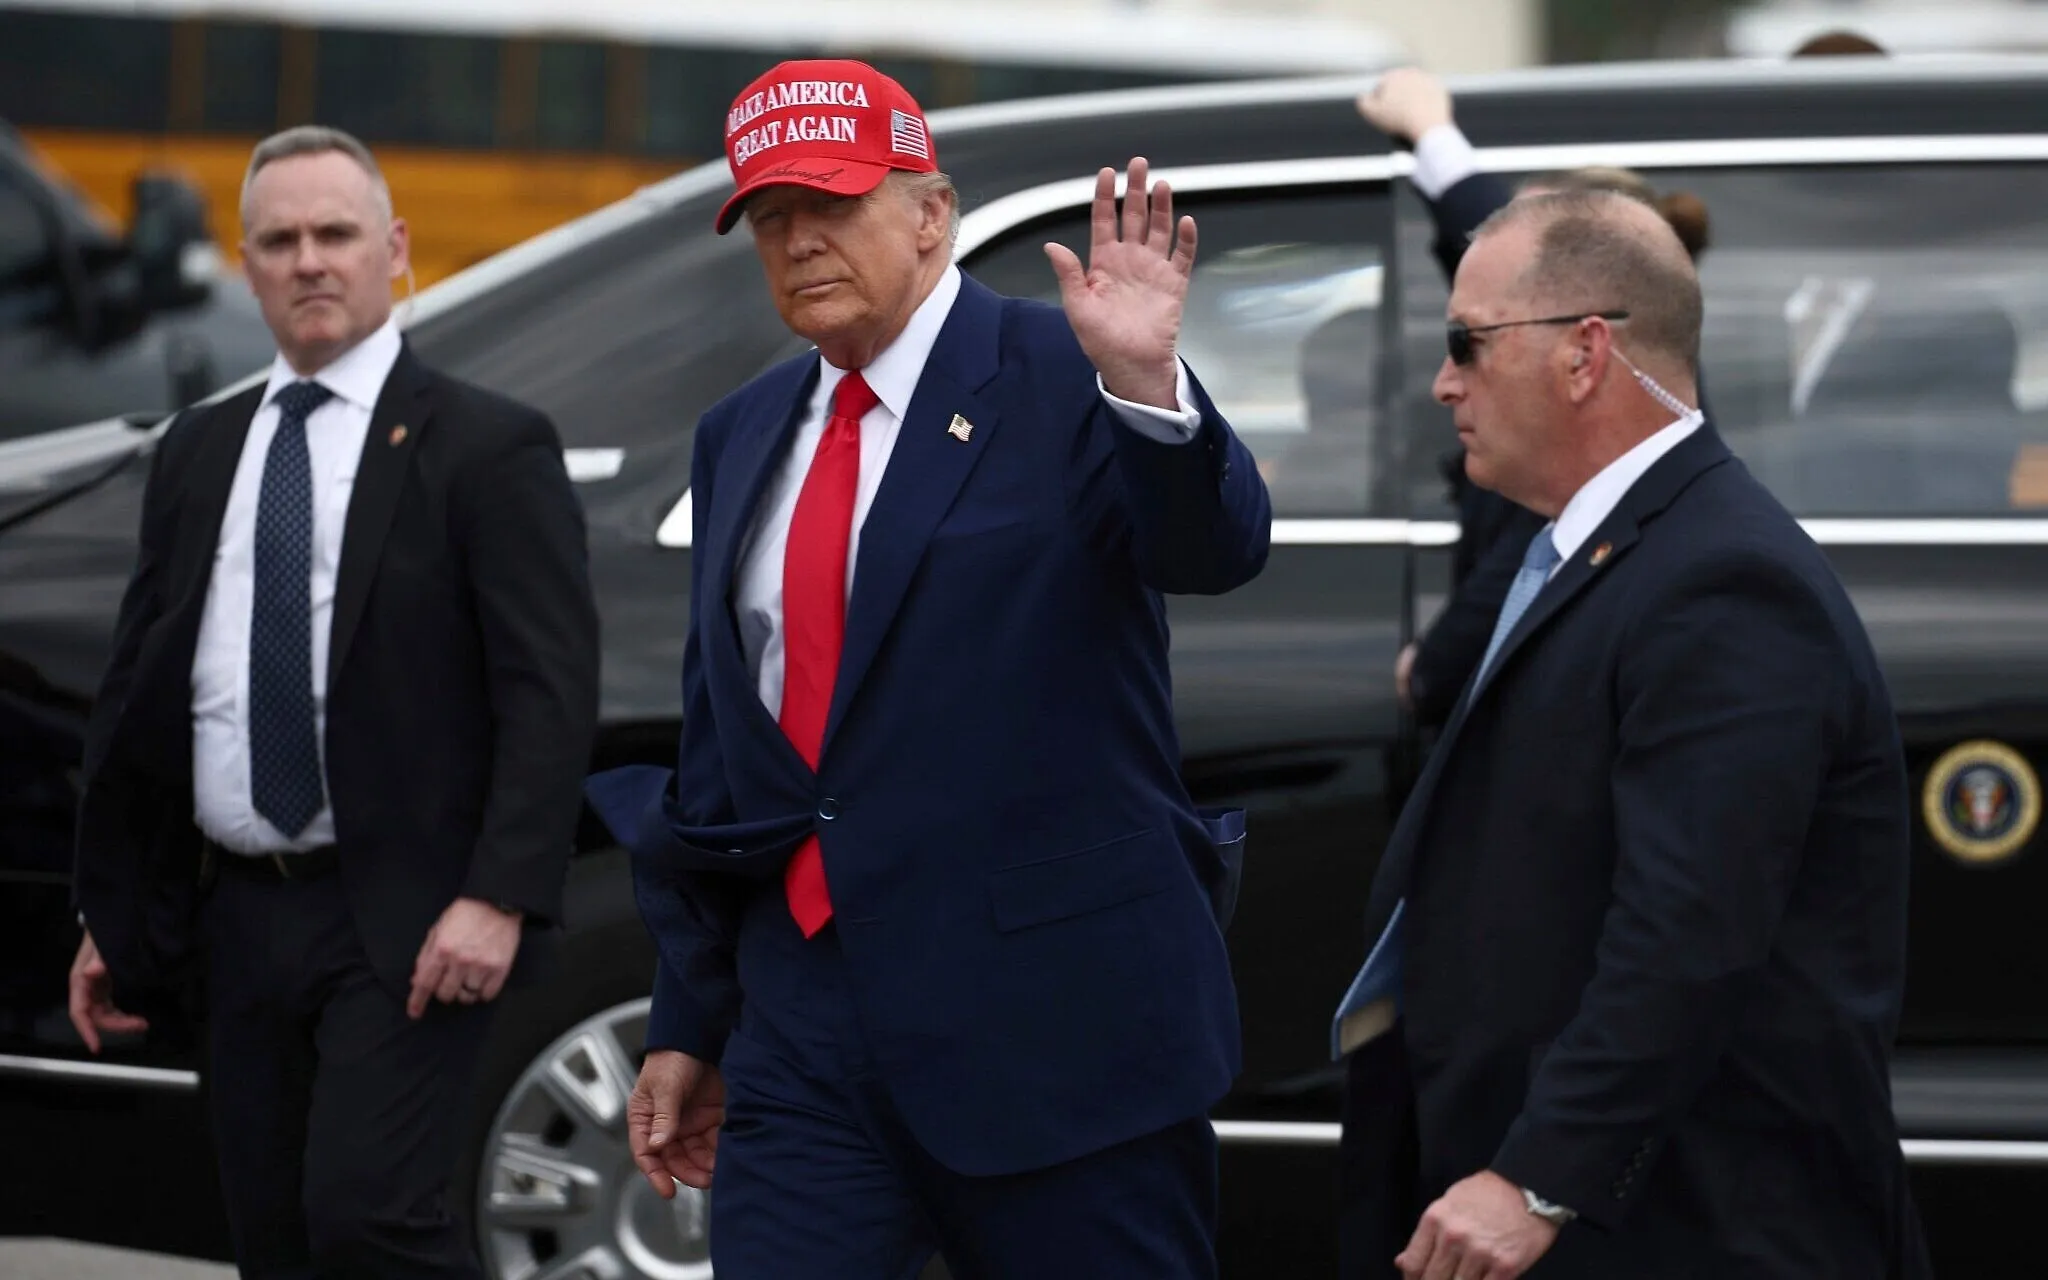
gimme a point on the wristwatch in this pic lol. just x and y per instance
(1554, 1214)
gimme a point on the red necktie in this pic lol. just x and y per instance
(814, 615)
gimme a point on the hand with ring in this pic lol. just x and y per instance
(466, 956)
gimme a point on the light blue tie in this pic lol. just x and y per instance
(1537, 562)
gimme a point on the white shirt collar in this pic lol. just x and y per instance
(1598, 497)
(357, 375)
(893, 375)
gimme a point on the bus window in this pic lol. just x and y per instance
(688, 91)
(84, 71)
(569, 96)
(241, 77)
(432, 90)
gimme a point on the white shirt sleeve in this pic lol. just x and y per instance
(1163, 425)
(1443, 159)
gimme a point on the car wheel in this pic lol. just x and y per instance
(545, 1176)
(557, 1194)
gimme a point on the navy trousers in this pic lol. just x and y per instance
(818, 1177)
(335, 1116)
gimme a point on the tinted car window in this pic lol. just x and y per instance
(1283, 326)
(1876, 339)
(1432, 444)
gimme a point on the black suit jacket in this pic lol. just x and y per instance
(1493, 531)
(1656, 876)
(462, 682)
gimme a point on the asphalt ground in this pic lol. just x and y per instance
(65, 1260)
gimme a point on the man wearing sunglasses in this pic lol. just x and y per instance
(1641, 923)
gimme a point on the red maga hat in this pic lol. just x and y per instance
(830, 124)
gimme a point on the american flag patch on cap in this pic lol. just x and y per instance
(907, 136)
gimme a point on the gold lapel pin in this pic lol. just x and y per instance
(961, 429)
(398, 435)
(1601, 552)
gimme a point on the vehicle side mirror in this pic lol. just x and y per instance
(167, 242)
(188, 362)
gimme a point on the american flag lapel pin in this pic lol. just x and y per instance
(398, 435)
(1601, 552)
(961, 429)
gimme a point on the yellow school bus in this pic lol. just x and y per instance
(496, 119)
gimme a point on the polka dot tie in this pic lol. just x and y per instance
(284, 747)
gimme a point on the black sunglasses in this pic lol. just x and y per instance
(1458, 334)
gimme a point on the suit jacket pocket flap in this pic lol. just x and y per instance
(1071, 884)
(1226, 832)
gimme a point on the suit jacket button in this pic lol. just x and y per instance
(828, 808)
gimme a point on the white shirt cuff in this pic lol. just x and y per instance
(1443, 159)
(1163, 425)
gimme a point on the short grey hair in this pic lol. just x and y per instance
(1597, 250)
(919, 185)
(313, 140)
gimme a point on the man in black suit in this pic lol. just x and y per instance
(1642, 921)
(1414, 108)
(334, 769)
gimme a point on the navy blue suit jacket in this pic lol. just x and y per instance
(1656, 875)
(1030, 906)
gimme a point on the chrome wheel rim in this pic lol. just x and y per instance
(559, 1197)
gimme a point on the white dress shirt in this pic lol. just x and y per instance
(1443, 159)
(1598, 497)
(893, 376)
(335, 433)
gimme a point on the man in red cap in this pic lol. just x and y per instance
(942, 963)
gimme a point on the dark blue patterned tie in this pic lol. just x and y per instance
(284, 749)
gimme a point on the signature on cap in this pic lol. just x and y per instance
(803, 175)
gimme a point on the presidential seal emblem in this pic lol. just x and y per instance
(1982, 802)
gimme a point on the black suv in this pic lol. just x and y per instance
(1877, 342)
